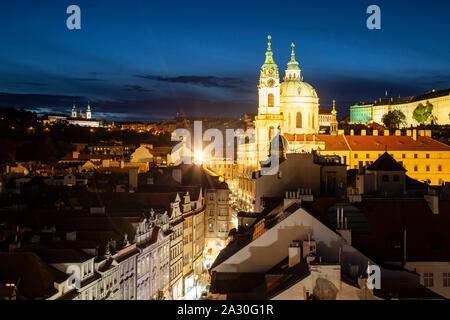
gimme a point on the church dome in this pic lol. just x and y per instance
(297, 88)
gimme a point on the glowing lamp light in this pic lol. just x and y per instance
(199, 157)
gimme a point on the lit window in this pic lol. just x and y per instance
(428, 280)
(446, 279)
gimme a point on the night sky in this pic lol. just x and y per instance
(149, 60)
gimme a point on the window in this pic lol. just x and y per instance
(428, 280)
(211, 196)
(416, 168)
(404, 156)
(299, 120)
(385, 178)
(396, 178)
(356, 156)
(367, 156)
(439, 168)
(211, 212)
(270, 100)
(415, 156)
(211, 225)
(428, 156)
(428, 168)
(446, 279)
(345, 159)
(223, 227)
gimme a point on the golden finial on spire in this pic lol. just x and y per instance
(269, 37)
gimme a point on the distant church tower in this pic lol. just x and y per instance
(74, 111)
(88, 112)
(269, 117)
(334, 123)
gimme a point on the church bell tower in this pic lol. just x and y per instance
(269, 117)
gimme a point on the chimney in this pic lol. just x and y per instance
(342, 227)
(294, 253)
(133, 178)
(433, 203)
(308, 247)
(375, 133)
(363, 132)
(386, 133)
(414, 135)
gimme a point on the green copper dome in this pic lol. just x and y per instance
(269, 67)
(293, 64)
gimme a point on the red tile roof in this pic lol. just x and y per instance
(395, 143)
(379, 143)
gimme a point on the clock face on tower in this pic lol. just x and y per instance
(271, 83)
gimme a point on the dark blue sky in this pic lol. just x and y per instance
(147, 60)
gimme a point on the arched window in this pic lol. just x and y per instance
(313, 121)
(299, 120)
(396, 178)
(309, 120)
(289, 120)
(270, 100)
(385, 178)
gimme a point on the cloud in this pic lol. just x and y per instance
(89, 79)
(135, 88)
(35, 84)
(145, 110)
(205, 81)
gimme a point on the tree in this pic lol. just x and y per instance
(423, 113)
(393, 119)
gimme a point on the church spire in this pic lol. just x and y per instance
(74, 111)
(269, 68)
(293, 52)
(293, 64)
(269, 54)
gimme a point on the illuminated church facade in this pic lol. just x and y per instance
(290, 105)
(291, 108)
